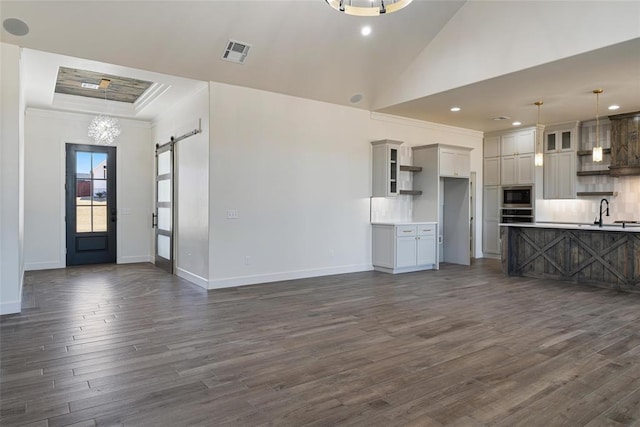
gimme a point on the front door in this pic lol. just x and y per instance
(90, 204)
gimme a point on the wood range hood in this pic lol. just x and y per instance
(625, 144)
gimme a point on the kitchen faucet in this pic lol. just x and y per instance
(599, 221)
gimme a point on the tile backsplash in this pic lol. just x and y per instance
(624, 206)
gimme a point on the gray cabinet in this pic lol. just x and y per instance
(401, 248)
(386, 168)
(560, 161)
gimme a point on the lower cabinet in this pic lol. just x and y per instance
(401, 248)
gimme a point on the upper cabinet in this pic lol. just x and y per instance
(517, 157)
(492, 160)
(455, 162)
(386, 167)
(560, 144)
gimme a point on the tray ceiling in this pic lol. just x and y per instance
(122, 89)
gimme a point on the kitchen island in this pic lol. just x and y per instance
(607, 256)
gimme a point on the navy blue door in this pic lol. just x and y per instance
(90, 204)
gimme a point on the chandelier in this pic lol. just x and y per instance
(104, 129)
(367, 7)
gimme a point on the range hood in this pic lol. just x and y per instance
(625, 144)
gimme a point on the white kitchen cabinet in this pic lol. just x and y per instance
(491, 221)
(560, 161)
(386, 168)
(517, 160)
(491, 164)
(400, 248)
(454, 162)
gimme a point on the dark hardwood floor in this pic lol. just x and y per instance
(463, 346)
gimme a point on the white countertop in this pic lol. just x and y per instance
(403, 223)
(630, 228)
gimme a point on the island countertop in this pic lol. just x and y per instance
(607, 256)
(584, 226)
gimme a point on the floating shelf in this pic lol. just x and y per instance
(596, 193)
(411, 192)
(592, 173)
(406, 168)
(589, 152)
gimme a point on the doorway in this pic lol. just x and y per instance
(90, 192)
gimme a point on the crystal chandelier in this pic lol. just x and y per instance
(104, 129)
(367, 7)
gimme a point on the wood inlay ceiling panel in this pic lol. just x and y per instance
(122, 89)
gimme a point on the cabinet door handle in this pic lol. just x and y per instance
(417, 238)
(428, 229)
(406, 231)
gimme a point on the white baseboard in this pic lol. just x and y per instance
(193, 278)
(491, 256)
(10, 307)
(286, 275)
(44, 265)
(134, 259)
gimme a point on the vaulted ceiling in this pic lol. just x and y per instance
(304, 48)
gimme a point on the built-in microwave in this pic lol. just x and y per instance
(517, 197)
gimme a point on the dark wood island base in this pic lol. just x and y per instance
(580, 254)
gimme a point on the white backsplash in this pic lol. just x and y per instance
(624, 206)
(396, 209)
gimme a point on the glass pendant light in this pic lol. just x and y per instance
(539, 158)
(597, 149)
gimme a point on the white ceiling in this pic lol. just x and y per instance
(301, 48)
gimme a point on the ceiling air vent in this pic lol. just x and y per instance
(498, 118)
(236, 52)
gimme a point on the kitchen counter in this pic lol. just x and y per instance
(629, 227)
(580, 253)
(403, 222)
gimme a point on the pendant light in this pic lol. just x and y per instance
(597, 149)
(539, 158)
(104, 129)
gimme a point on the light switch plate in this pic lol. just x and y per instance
(232, 214)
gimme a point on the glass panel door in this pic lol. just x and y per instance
(163, 216)
(90, 204)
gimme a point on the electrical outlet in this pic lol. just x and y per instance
(232, 214)
(247, 260)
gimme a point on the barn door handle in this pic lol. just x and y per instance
(154, 222)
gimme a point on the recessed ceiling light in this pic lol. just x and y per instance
(455, 109)
(366, 30)
(15, 26)
(613, 107)
(516, 123)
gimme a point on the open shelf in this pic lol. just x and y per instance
(411, 192)
(596, 193)
(593, 173)
(406, 168)
(590, 152)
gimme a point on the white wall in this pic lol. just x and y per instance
(299, 174)
(486, 39)
(46, 133)
(191, 236)
(11, 181)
